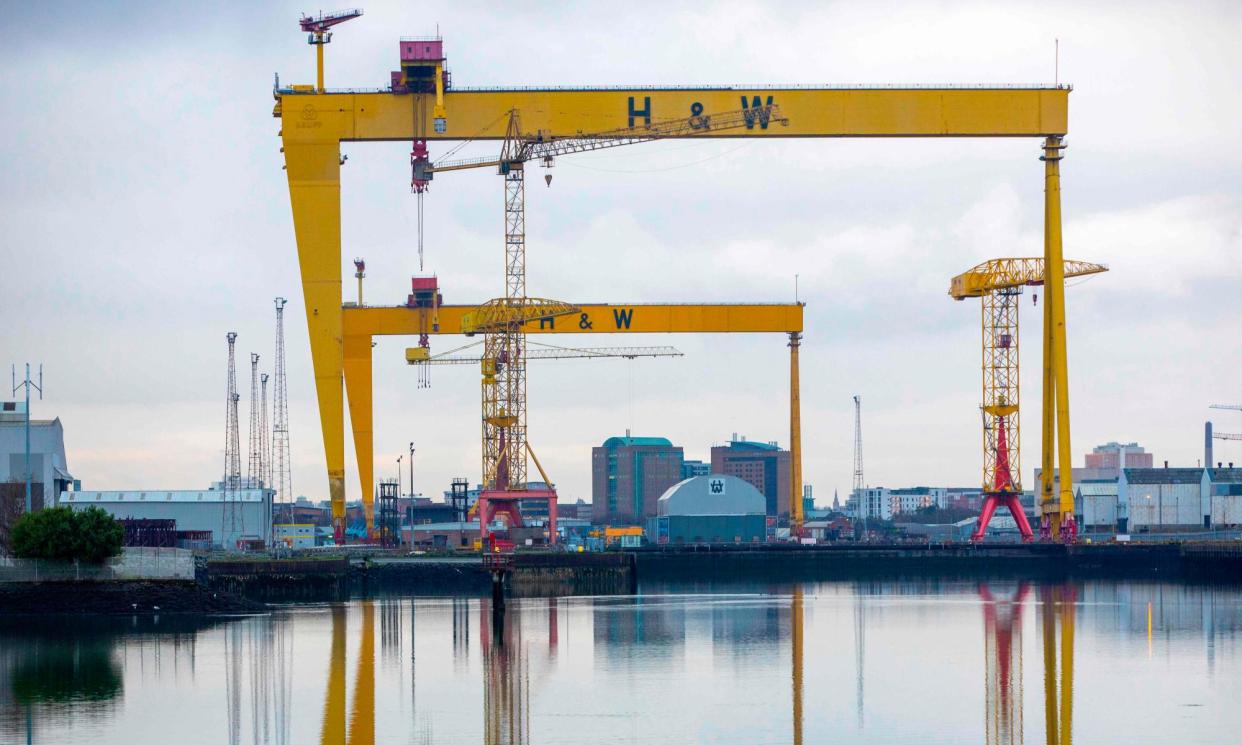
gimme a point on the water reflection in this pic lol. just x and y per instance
(1057, 604)
(746, 663)
(1002, 633)
(56, 667)
(361, 720)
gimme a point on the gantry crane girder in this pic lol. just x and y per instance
(314, 122)
(384, 116)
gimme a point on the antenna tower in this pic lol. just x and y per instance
(282, 480)
(232, 447)
(858, 461)
(265, 442)
(255, 464)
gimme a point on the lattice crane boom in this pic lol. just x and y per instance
(550, 352)
(524, 148)
(998, 274)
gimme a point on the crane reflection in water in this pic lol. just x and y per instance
(1003, 608)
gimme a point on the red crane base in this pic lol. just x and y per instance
(494, 502)
(1010, 500)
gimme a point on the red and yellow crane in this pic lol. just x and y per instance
(503, 321)
(998, 283)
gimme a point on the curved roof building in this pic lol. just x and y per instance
(711, 495)
(710, 509)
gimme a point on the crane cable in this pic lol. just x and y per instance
(420, 231)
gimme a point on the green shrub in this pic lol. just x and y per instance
(91, 535)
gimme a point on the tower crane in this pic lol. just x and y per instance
(502, 321)
(1226, 435)
(999, 282)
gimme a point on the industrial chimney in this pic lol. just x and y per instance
(1207, 443)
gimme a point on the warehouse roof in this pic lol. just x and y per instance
(1225, 475)
(1163, 475)
(711, 495)
(1097, 488)
(616, 442)
(206, 495)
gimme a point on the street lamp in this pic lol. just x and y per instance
(399, 457)
(411, 470)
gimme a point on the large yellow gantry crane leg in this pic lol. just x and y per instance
(1058, 510)
(314, 123)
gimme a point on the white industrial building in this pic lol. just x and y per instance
(1154, 499)
(49, 470)
(230, 516)
(1095, 501)
(1224, 492)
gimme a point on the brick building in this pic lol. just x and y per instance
(628, 475)
(1109, 458)
(763, 464)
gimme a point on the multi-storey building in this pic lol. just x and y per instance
(914, 498)
(628, 475)
(692, 468)
(1113, 456)
(871, 503)
(763, 464)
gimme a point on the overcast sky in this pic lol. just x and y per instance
(146, 214)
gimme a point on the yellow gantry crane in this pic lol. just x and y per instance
(998, 283)
(419, 103)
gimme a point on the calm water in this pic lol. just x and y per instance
(906, 662)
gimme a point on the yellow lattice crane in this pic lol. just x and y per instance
(502, 321)
(998, 283)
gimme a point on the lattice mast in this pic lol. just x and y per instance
(231, 482)
(265, 440)
(504, 350)
(859, 499)
(282, 481)
(1002, 435)
(254, 461)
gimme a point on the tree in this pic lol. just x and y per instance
(60, 533)
(12, 507)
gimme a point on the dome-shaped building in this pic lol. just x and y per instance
(710, 509)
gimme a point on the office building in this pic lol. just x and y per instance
(871, 503)
(628, 475)
(692, 468)
(764, 465)
(1111, 457)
